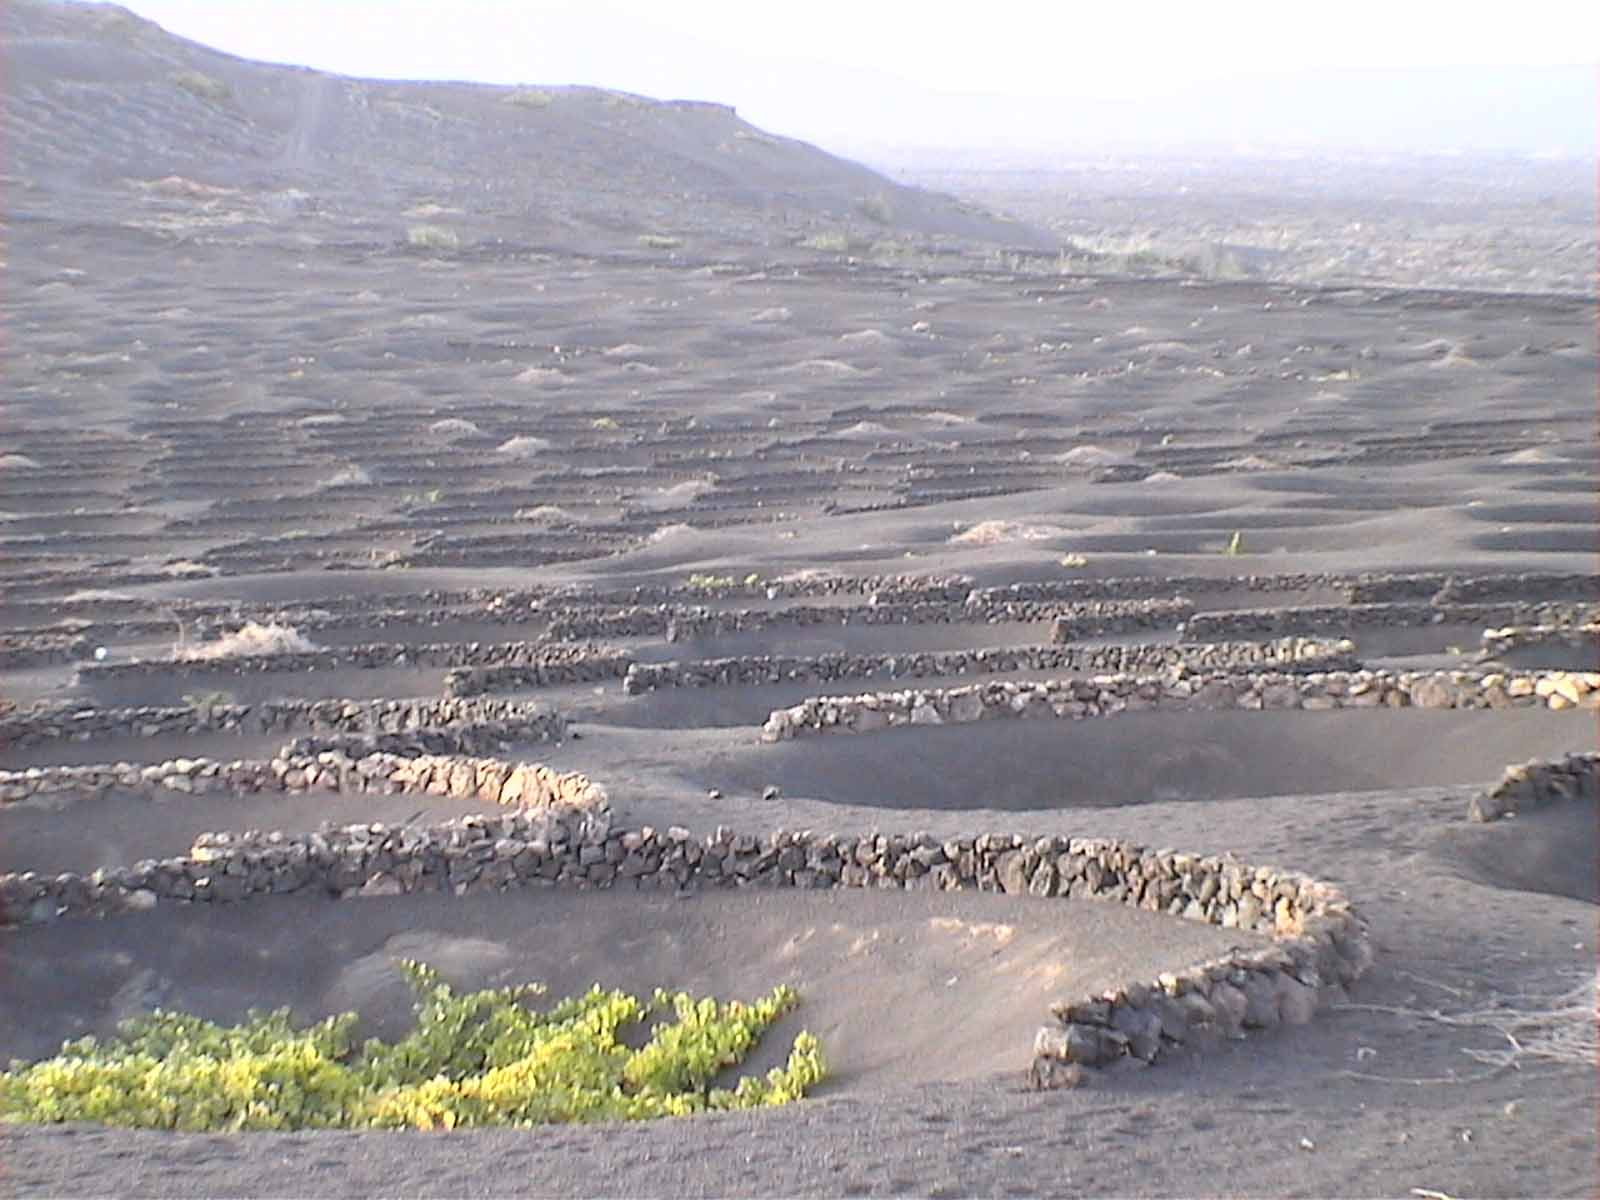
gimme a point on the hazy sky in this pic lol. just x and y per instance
(852, 74)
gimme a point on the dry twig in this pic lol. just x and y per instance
(1563, 1029)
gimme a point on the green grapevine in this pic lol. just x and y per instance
(484, 1058)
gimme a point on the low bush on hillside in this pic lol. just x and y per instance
(204, 86)
(529, 98)
(485, 1058)
(830, 243)
(877, 208)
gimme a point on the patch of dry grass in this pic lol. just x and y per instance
(1560, 1030)
(669, 533)
(998, 533)
(353, 475)
(451, 428)
(187, 568)
(1093, 456)
(96, 596)
(523, 447)
(251, 640)
(178, 187)
(820, 366)
(542, 377)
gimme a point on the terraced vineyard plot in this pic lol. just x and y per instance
(114, 828)
(1050, 672)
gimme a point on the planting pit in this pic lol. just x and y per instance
(1140, 758)
(884, 977)
(118, 827)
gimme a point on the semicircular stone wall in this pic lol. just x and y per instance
(557, 830)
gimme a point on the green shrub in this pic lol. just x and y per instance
(433, 237)
(485, 1058)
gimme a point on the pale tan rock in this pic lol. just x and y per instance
(1568, 688)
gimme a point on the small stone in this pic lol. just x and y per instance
(1433, 693)
(1230, 1005)
(1092, 1046)
(770, 792)
(1142, 1028)
(1297, 1003)
(1043, 882)
(1013, 870)
(1052, 1074)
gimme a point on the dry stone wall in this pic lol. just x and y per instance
(1142, 587)
(311, 620)
(594, 663)
(1291, 654)
(1108, 695)
(41, 649)
(1512, 637)
(51, 722)
(566, 663)
(887, 588)
(1443, 587)
(681, 622)
(1364, 588)
(458, 777)
(554, 829)
(1332, 618)
(1318, 945)
(1536, 784)
(1094, 618)
(484, 737)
